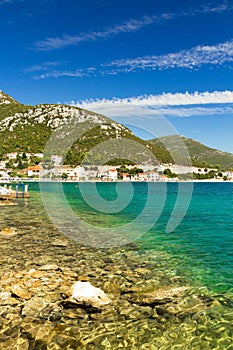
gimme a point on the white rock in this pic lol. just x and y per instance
(86, 294)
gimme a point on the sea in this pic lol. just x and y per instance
(201, 246)
(196, 252)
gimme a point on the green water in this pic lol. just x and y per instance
(200, 248)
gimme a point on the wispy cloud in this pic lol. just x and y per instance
(41, 67)
(78, 73)
(219, 8)
(191, 59)
(166, 104)
(125, 27)
(129, 26)
(194, 58)
(5, 2)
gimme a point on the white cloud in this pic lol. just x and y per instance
(194, 58)
(78, 73)
(126, 27)
(191, 59)
(41, 67)
(129, 26)
(223, 7)
(166, 104)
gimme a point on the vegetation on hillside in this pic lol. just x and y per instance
(200, 155)
(28, 128)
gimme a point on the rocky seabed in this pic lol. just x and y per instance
(139, 304)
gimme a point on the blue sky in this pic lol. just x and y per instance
(131, 60)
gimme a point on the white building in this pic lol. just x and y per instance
(33, 170)
(58, 170)
(3, 164)
(4, 175)
(77, 173)
(112, 174)
(12, 155)
(229, 174)
(103, 175)
(142, 177)
(152, 176)
(38, 155)
(126, 177)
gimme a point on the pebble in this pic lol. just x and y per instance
(20, 292)
(8, 231)
(59, 243)
(49, 268)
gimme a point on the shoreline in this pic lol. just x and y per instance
(15, 181)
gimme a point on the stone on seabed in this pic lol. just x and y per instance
(8, 231)
(86, 294)
(20, 292)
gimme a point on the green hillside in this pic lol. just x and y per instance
(200, 155)
(28, 128)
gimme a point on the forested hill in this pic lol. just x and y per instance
(201, 155)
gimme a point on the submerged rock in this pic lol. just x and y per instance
(85, 294)
(8, 232)
(20, 292)
(36, 274)
(7, 202)
(49, 267)
(156, 297)
(59, 243)
(34, 307)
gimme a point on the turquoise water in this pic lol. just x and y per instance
(200, 248)
(197, 255)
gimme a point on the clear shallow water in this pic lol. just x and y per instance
(200, 248)
(198, 253)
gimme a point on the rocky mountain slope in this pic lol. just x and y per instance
(27, 129)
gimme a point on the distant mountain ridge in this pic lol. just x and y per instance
(26, 128)
(201, 155)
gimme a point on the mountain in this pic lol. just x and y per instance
(201, 155)
(26, 128)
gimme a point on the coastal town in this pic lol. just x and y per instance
(17, 166)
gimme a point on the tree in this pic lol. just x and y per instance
(20, 164)
(13, 173)
(10, 164)
(24, 157)
(168, 172)
(211, 174)
(35, 160)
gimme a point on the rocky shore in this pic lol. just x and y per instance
(147, 308)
